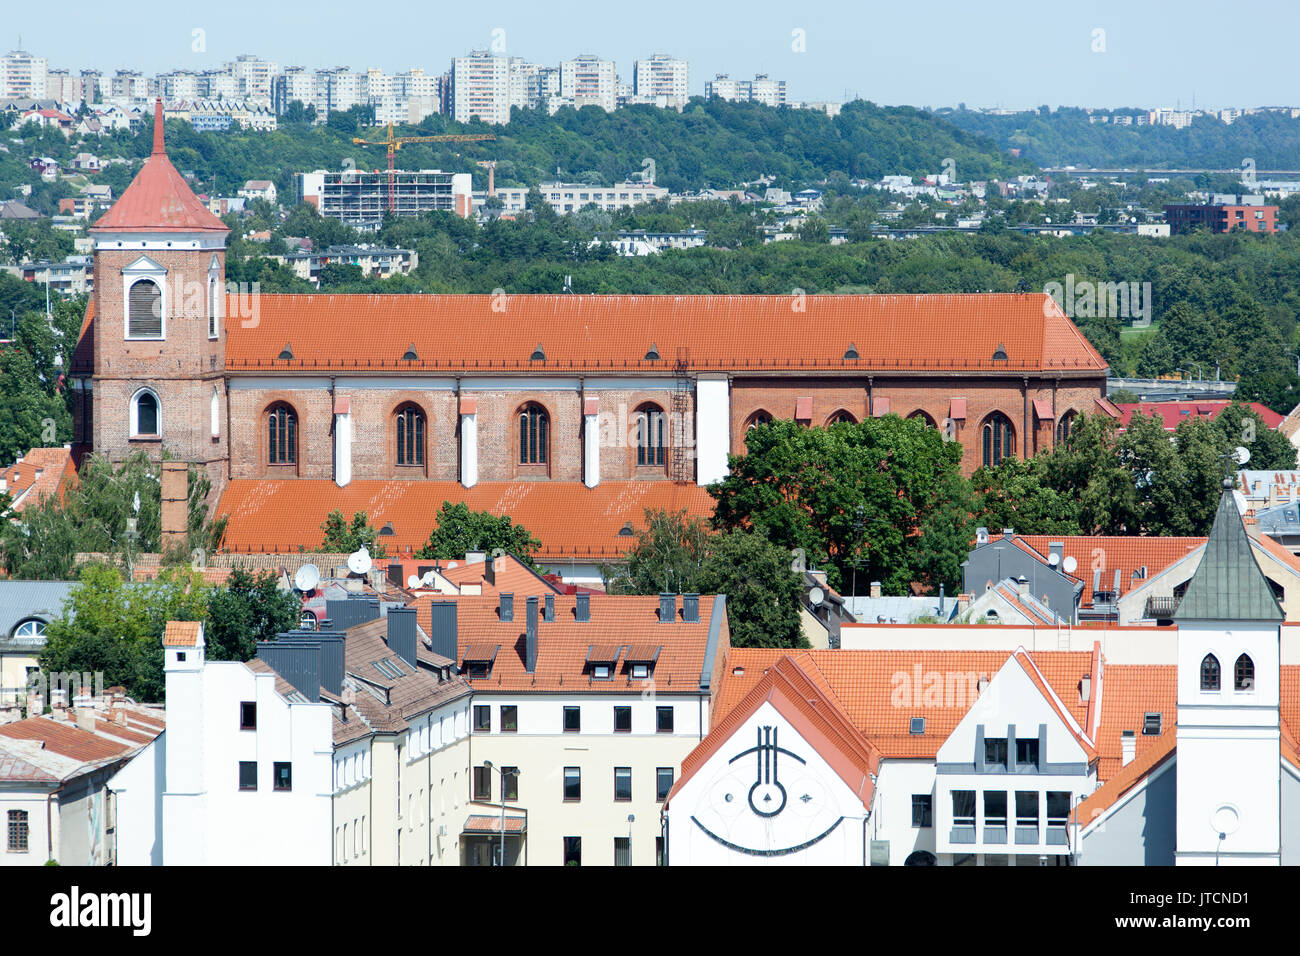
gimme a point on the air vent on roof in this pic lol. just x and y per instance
(410, 355)
(1000, 354)
(287, 351)
(626, 530)
(387, 528)
(1151, 724)
(917, 726)
(851, 352)
(653, 354)
(538, 355)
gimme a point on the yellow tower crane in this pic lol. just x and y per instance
(394, 143)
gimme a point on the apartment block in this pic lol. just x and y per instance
(22, 76)
(360, 197)
(662, 75)
(588, 81)
(480, 86)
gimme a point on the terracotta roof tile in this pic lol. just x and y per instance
(25, 488)
(1174, 413)
(487, 823)
(1128, 553)
(66, 740)
(182, 634)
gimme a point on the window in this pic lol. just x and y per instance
(248, 774)
(622, 783)
(1243, 674)
(534, 435)
(842, 417)
(963, 808)
(1026, 753)
(757, 419)
(17, 831)
(572, 783)
(1064, 427)
(572, 720)
(483, 783)
(995, 808)
(145, 311)
(650, 438)
(640, 671)
(664, 720)
(1209, 672)
(509, 718)
(282, 430)
(212, 307)
(922, 417)
(922, 810)
(622, 851)
(999, 439)
(1026, 808)
(602, 672)
(1058, 808)
(144, 414)
(622, 720)
(248, 715)
(410, 436)
(573, 851)
(995, 752)
(30, 631)
(510, 784)
(482, 718)
(663, 783)
(1151, 724)
(282, 773)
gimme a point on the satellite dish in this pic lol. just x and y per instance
(359, 561)
(816, 595)
(306, 577)
(413, 581)
(1054, 560)
(1241, 454)
(430, 577)
(1069, 564)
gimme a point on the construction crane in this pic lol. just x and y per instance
(394, 143)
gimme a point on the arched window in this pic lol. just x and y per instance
(30, 631)
(145, 315)
(212, 307)
(921, 416)
(1209, 672)
(282, 432)
(1064, 427)
(534, 434)
(758, 418)
(999, 439)
(146, 418)
(410, 435)
(651, 437)
(842, 417)
(1243, 674)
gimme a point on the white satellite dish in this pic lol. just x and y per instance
(413, 581)
(306, 577)
(816, 596)
(1054, 560)
(430, 578)
(359, 561)
(1241, 454)
(1069, 564)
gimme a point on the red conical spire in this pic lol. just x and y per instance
(158, 128)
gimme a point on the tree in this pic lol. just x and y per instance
(247, 609)
(344, 538)
(1017, 494)
(460, 530)
(1270, 450)
(668, 555)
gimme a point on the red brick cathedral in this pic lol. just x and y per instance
(570, 412)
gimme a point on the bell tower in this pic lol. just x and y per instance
(158, 329)
(1229, 685)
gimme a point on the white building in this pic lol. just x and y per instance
(662, 75)
(570, 197)
(480, 86)
(761, 89)
(22, 76)
(588, 81)
(254, 77)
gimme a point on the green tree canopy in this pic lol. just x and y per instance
(460, 530)
(247, 609)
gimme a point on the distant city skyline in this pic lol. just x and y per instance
(1014, 54)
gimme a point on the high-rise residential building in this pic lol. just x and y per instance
(761, 89)
(662, 75)
(218, 85)
(359, 198)
(254, 76)
(480, 86)
(128, 85)
(767, 91)
(92, 86)
(295, 84)
(22, 76)
(589, 81)
(62, 86)
(181, 85)
(531, 84)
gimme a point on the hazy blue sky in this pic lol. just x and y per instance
(932, 53)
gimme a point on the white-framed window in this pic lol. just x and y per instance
(146, 414)
(144, 300)
(30, 631)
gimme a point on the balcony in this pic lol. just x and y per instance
(1161, 607)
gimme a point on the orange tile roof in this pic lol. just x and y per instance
(64, 739)
(159, 199)
(489, 823)
(182, 634)
(1125, 552)
(921, 333)
(572, 521)
(563, 643)
(25, 489)
(1125, 780)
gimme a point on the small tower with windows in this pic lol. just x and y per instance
(158, 324)
(1229, 682)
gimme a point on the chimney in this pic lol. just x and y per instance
(401, 633)
(963, 603)
(1008, 533)
(1022, 585)
(175, 504)
(691, 608)
(475, 557)
(582, 610)
(342, 441)
(981, 535)
(1128, 747)
(667, 608)
(530, 637)
(875, 589)
(443, 634)
(548, 614)
(507, 606)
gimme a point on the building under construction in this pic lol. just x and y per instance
(359, 198)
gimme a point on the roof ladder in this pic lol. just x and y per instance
(679, 466)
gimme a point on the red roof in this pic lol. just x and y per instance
(65, 739)
(159, 199)
(25, 489)
(1127, 553)
(571, 520)
(1173, 413)
(921, 333)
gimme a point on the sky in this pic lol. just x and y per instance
(1016, 54)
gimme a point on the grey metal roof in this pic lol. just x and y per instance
(1281, 519)
(1228, 584)
(20, 600)
(901, 610)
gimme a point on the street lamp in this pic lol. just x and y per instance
(859, 513)
(513, 772)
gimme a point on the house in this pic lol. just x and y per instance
(42, 471)
(258, 189)
(86, 162)
(1172, 414)
(27, 608)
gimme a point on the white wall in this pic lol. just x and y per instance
(712, 428)
(137, 790)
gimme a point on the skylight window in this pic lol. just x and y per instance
(917, 726)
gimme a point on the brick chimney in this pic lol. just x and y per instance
(175, 504)
(875, 589)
